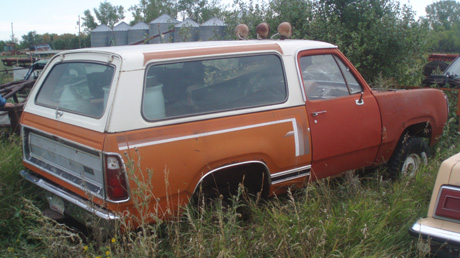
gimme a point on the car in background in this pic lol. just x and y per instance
(35, 69)
(442, 224)
(450, 78)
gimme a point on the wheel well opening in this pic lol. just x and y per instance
(253, 177)
(422, 130)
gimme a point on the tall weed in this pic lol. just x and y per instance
(352, 216)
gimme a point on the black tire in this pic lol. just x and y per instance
(433, 65)
(408, 156)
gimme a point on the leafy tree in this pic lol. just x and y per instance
(198, 10)
(106, 14)
(443, 17)
(31, 39)
(212, 8)
(89, 22)
(139, 12)
(248, 12)
(379, 36)
(191, 9)
(298, 12)
(70, 41)
(147, 10)
(444, 14)
(60, 42)
(49, 39)
(2, 45)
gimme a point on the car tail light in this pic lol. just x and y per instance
(448, 203)
(117, 189)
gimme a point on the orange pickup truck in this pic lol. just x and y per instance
(166, 123)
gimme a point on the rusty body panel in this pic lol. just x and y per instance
(405, 108)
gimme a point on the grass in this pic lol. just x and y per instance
(358, 215)
(353, 216)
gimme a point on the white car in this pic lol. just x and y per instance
(442, 224)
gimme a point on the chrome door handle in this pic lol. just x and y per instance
(319, 112)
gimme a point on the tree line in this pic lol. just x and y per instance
(381, 37)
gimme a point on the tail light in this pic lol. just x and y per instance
(448, 203)
(117, 188)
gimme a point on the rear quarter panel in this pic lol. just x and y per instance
(172, 159)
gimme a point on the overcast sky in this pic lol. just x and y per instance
(61, 16)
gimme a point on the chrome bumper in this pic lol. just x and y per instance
(75, 206)
(435, 234)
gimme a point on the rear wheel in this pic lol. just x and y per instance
(409, 155)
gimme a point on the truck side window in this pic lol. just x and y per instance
(326, 77)
(212, 85)
(352, 83)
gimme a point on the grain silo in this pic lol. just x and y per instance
(187, 30)
(213, 29)
(101, 36)
(159, 25)
(120, 34)
(138, 32)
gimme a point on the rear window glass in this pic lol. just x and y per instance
(205, 86)
(77, 87)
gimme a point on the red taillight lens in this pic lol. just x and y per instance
(117, 189)
(448, 204)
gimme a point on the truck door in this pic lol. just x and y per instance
(344, 116)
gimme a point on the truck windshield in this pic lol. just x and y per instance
(454, 68)
(77, 87)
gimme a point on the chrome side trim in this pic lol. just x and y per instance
(436, 233)
(291, 174)
(273, 179)
(151, 142)
(72, 198)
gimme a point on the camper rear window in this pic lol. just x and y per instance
(206, 86)
(77, 87)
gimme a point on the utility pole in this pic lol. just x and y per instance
(79, 40)
(12, 34)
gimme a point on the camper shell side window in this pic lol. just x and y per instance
(206, 86)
